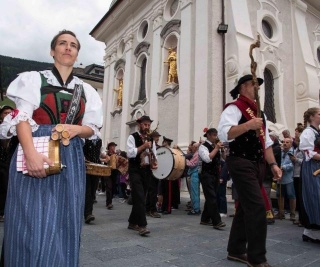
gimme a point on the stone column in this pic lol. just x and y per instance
(201, 58)
(107, 60)
(156, 65)
(110, 84)
(305, 71)
(185, 74)
(126, 88)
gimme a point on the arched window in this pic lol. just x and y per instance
(269, 109)
(142, 89)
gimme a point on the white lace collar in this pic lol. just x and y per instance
(51, 79)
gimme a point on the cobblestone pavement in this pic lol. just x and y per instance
(178, 239)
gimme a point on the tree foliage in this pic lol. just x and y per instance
(11, 67)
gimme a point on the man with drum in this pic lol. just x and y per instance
(111, 180)
(138, 144)
(209, 153)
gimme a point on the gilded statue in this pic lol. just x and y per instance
(119, 91)
(172, 61)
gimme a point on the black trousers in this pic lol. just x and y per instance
(4, 177)
(152, 195)
(210, 186)
(139, 181)
(91, 187)
(249, 227)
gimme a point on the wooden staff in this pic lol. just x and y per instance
(254, 76)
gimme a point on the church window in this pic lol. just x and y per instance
(269, 108)
(142, 90)
(174, 7)
(267, 29)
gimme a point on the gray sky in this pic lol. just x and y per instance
(28, 26)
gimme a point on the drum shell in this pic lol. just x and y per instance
(169, 172)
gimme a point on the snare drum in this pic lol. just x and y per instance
(171, 164)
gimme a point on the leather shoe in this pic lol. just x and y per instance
(89, 218)
(134, 227)
(238, 257)
(306, 238)
(143, 231)
(209, 223)
(219, 225)
(263, 264)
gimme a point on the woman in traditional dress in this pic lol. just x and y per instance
(310, 146)
(44, 213)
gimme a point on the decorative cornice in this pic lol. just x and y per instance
(128, 42)
(139, 103)
(157, 19)
(121, 63)
(172, 89)
(142, 47)
(171, 26)
(117, 111)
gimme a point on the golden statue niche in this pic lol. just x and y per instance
(172, 61)
(119, 91)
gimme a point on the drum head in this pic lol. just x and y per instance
(165, 163)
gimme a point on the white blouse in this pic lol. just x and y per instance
(25, 92)
(306, 145)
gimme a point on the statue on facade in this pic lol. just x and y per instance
(119, 91)
(172, 61)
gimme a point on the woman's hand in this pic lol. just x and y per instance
(35, 164)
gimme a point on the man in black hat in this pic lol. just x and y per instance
(209, 153)
(140, 174)
(249, 148)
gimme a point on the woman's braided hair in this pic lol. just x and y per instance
(307, 114)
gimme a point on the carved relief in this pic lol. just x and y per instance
(171, 26)
(120, 64)
(232, 66)
(185, 3)
(301, 89)
(142, 47)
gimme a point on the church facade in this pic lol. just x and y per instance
(175, 61)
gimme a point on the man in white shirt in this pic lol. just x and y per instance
(140, 165)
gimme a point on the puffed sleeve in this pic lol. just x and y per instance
(306, 145)
(93, 112)
(24, 91)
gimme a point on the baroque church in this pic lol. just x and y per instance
(177, 60)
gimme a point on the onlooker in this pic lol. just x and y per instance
(193, 172)
(297, 161)
(285, 185)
